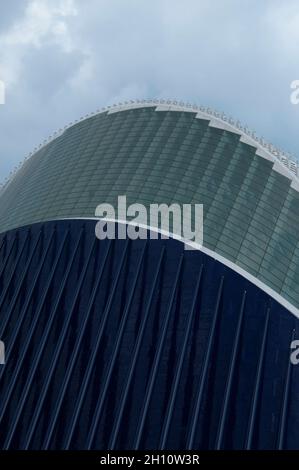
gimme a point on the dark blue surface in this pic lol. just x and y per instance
(138, 344)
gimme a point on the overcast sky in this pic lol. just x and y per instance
(61, 59)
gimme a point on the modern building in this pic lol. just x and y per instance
(141, 344)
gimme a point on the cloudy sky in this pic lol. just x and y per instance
(60, 59)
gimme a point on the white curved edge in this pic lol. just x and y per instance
(278, 165)
(282, 162)
(194, 246)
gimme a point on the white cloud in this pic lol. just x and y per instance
(283, 21)
(44, 23)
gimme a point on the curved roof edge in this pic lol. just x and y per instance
(194, 246)
(283, 163)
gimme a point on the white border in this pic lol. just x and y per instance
(194, 246)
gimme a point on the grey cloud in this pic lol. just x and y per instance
(236, 60)
(13, 9)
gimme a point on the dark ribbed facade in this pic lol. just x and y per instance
(121, 344)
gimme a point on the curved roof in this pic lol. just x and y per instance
(221, 120)
(156, 152)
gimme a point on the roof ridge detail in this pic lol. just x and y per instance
(287, 164)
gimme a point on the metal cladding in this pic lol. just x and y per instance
(138, 344)
(121, 344)
(163, 154)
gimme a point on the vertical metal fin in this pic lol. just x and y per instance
(154, 369)
(110, 366)
(258, 380)
(26, 345)
(205, 370)
(179, 367)
(125, 393)
(27, 301)
(40, 349)
(12, 274)
(60, 342)
(92, 359)
(74, 356)
(227, 395)
(285, 402)
(17, 290)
